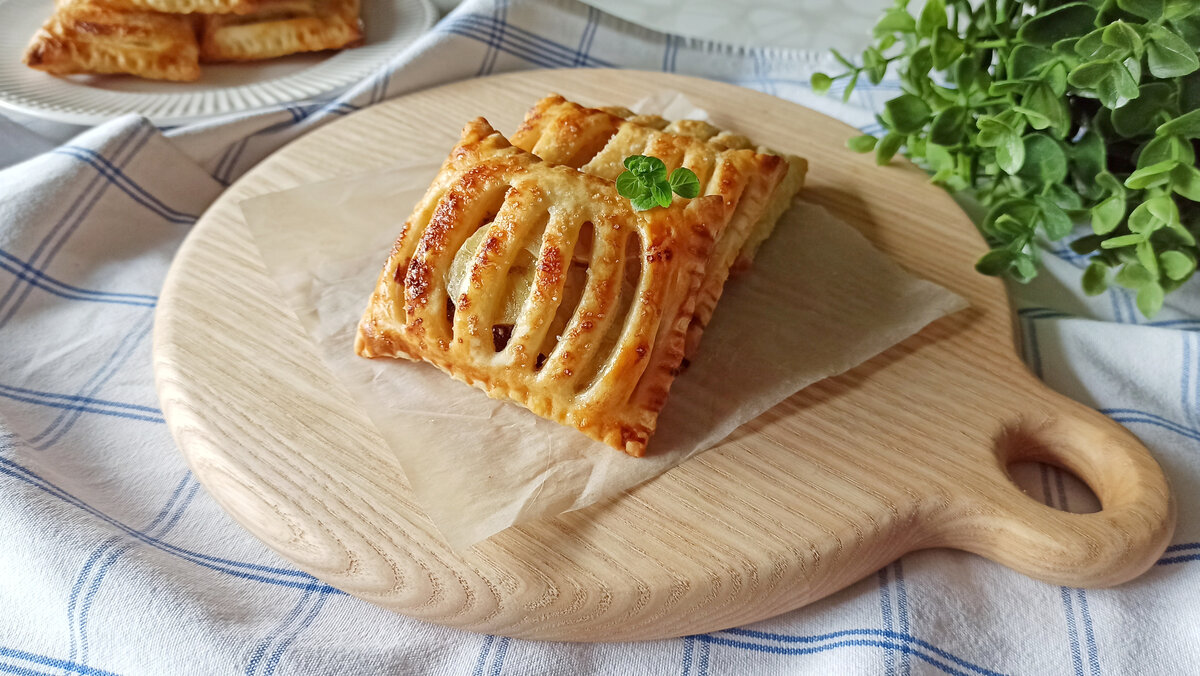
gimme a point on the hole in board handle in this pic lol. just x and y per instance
(1053, 486)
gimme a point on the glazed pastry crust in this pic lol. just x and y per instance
(600, 358)
(84, 37)
(280, 27)
(190, 6)
(755, 184)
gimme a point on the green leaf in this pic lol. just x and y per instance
(661, 194)
(933, 16)
(1092, 47)
(1186, 125)
(1095, 279)
(1177, 265)
(995, 262)
(1068, 21)
(874, 65)
(1179, 9)
(908, 113)
(1185, 180)
(1150, 299)
(1024, 269)
(850, 87)
(1164, 209)
(920, 63)
(862, 144)
(1056, 78)
(1153, 175)
(1045, 162)
(1010, 153)
(1107, 215)
(1164, 148)
(1123, 37)
(895, 20)
(1123, 240)
(1142, 221)
(1117, 89)
(1169, 55)
(643, 201)
(1145, 256)
(628, 185)
(1090, 74)
(684, 183)
(940, 161)
(1052, 108)
(1134, 275)
(820, 82)
(842, 60)
(1141, 115)
(1147, 9)
(887, 147)
(1027, 61)
(949, 126)
(1055, 221)
(946, 47)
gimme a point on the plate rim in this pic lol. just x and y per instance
(55, 113)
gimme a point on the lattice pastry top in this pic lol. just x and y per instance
(540, 284)
(756, 185)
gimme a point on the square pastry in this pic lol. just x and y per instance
(280, 27)
(88, 37)
(755, 184)
(541, 285)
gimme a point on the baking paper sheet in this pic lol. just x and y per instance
(818, 301)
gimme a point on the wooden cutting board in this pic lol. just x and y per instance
(908, 451)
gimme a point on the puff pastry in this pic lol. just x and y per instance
(189, 6)
(756, 184)
(87, 37)
(539, 284)
(280, 27)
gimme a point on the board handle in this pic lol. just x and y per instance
(1100, 549)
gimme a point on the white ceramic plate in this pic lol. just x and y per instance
(391, 25)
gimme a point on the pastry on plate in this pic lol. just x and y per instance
(189, 6)
(540, 284)
(280, 27)
(89, 37)
(756, 184)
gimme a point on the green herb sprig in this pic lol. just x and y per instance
(1053, 113)
(646, 184)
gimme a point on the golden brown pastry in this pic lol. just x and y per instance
(540, 284)
(87, 37)
(756, 185)
(280, 27)
(189, 6)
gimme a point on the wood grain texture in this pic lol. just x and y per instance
(905, 452)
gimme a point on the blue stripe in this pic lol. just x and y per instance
(1168, 560)
(702, 662)
(481, 661)
(90, 598)
(125, 184)
(885, 611)
(1072, 630)
(501, 651)
(27, 272)
(1089, 633)
(902, 612)
(73, 598)
(1183, 546)
(688, 643)
(43, 660)
(83, 408)
(1128, 415)
(290, 638)
(79, 399)
(905, 638)
(23, 671)
(1049, 313)
(70, 221)
(67, 419)
(303, 580)
(858, 642)
(529, 46)
(261, 648)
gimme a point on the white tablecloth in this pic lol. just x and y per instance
(113, 560)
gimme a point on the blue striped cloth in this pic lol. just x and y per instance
(113, 561)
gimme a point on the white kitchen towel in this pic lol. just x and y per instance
(113, 560)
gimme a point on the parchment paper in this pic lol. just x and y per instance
(818, 301)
